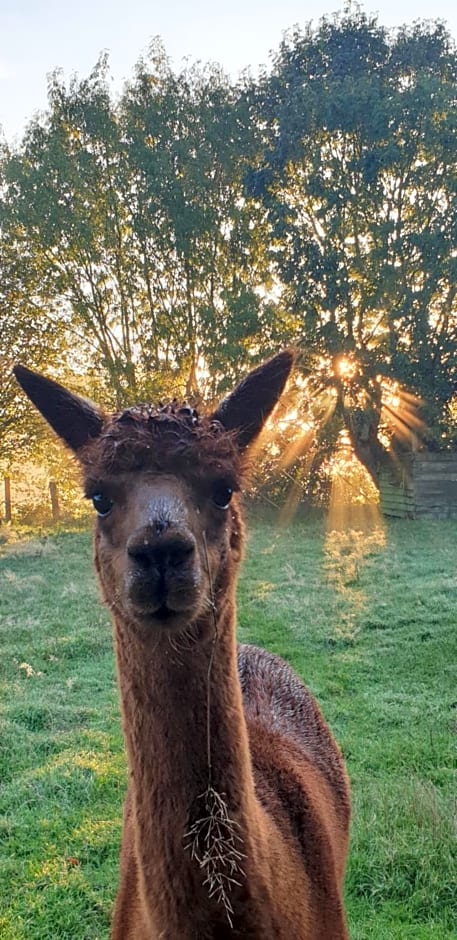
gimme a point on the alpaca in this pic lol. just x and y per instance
(237, 812)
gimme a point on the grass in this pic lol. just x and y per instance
(368, 621)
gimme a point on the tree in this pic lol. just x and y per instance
(30, 332)
(198, 244)
(63, 207)
(135, 213)
(358, 180)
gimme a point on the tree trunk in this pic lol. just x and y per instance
(8, 507)
(54, 501)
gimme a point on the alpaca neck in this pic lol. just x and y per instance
(165, 706)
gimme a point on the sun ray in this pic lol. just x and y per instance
(354, 498)
(295, 494)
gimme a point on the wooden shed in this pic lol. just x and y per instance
(426, 486)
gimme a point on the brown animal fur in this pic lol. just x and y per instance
(167, 557)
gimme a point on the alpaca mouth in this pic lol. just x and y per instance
(162, 616)
(163, 613)
(161, 605)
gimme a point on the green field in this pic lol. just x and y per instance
(369, 621)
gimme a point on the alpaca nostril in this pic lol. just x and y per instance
(161, 552)
(180, 552)
(141, 552)
(142, 558)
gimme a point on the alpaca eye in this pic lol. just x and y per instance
(221, 495)
(102, 503)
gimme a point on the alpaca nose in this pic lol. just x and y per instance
(160, 549)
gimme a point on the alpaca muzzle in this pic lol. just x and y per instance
(163, 571)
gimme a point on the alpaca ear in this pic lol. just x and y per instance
(76, 420)
(247, 408)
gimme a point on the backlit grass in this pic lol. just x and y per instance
(368, 621)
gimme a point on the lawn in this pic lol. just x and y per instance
(367, 620)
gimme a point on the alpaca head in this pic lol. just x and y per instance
(164, 483)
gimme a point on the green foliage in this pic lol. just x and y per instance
(369, 622)
(358, 179)
(28, 331)
(155, 244)
(132, 220)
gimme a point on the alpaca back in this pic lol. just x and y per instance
(298, 769)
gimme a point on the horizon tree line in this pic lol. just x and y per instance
(161, 243)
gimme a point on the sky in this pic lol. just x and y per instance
(38, 36)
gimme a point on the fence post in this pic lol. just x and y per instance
(54, 501)
(7, 484)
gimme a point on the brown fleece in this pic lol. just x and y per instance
(167, 554)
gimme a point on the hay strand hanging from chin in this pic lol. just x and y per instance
(215, 844)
